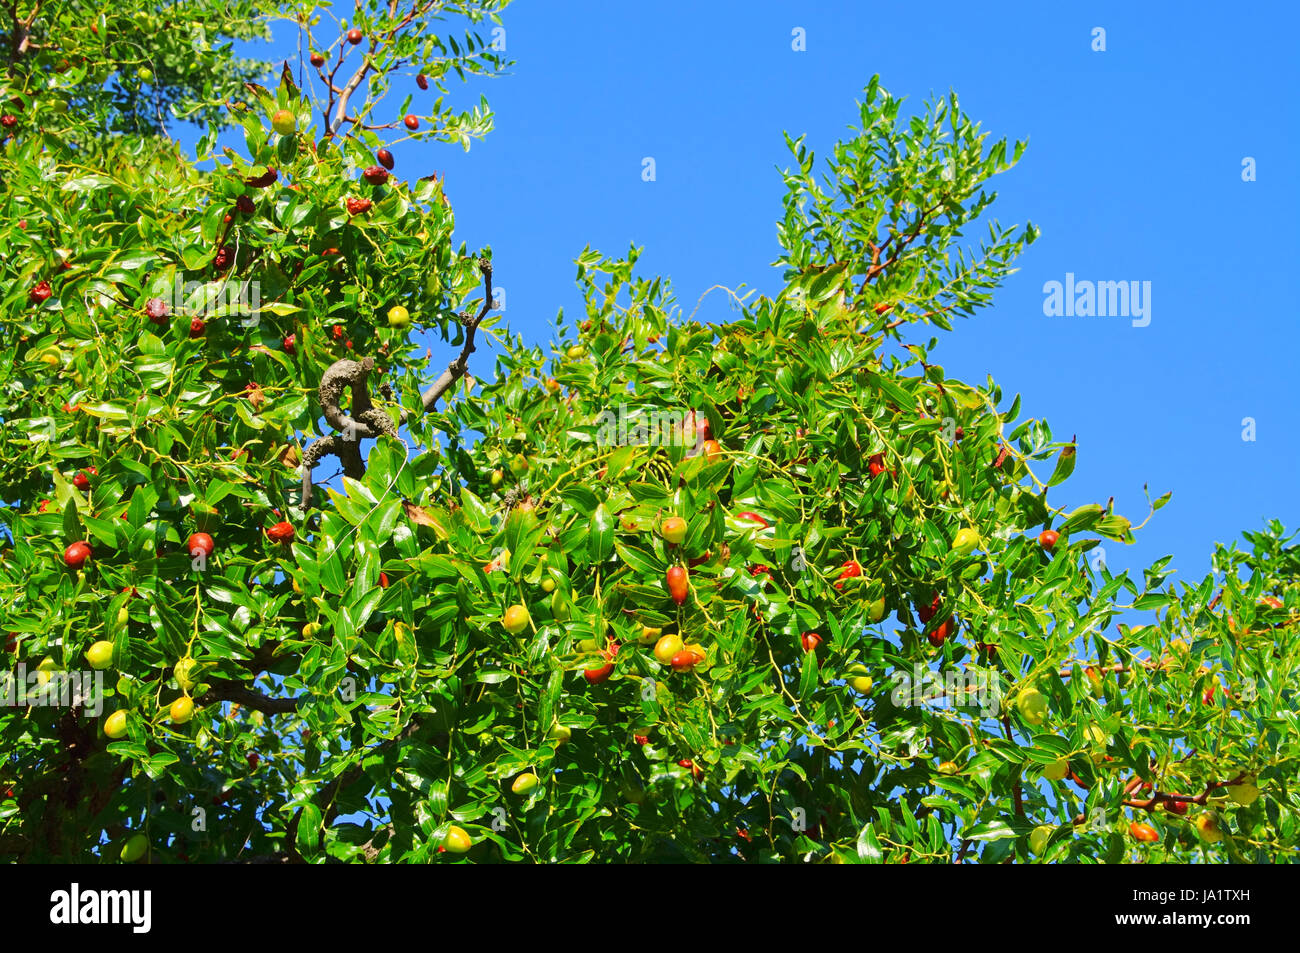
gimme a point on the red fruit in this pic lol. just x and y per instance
(883, 307)
(157, 310)
(222, 260)
(385, 158)
(45, 506)
(281, 532)
(412, 123)
(1047, 539)
(11, 645)
(81, 480)
(358, 206)
(678, 585)
(1207, 696)
(75, 556)
(641, 739)
(245, 205)
(940, 634)
(1273, 602)
(200, 543)
(267, 178)
(926, 613)
(1176, 807)
(252, 760)
(685, 660)
(850, 570)
(8, 121)
(226, 219)
(290, 343)
(1143, 832)
(354, 36)
(810, 641)
(40, 293)
(317, 59)
(759, 570)
(197, 327)
(422, 81)
(375, 175)
(597, 675)
(696, 771)
(383, 580)
(753, 518)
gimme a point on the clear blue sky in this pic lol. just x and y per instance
(1133, 172)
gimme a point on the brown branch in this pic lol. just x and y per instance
(227, 690)
(367, 421)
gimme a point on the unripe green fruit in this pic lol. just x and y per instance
(575, 352)
(184, 673)
(100, 655)
(123, 616)
(1032, 705)
(1057, 769)
(860, 679)
(515, 620)
(559, 734)
(182, 710)
(144, 74)
(284, 122)
(876, 610)
(674, 529)
(1244, 794)
(1039, 836)
(548, 584)
(559, 606)
(524, 783)
(398, 317)
(457, 840)
(115, 725)
(134, 849)
(965, 541)
(519, 464)
(497, 478)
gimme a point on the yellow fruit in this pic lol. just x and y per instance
(649, 635)
(965, 541)
(123, 616)
(1032, 705)
(667, 647)
(575, 352)
(674, 529)
(134, 849)
(100, 655)
(515, 619)
(497, 477)
(310, 629)
(548, 584)
(1057, 769)
(948, 767)
(184, 673)
(1244, 794)
(398, 316)
(860, 680)
(115, 724)
(1039, 836)
(560, 734)
(457, 840)
(519, 464)
(1096, 737)
(524, 783)
(284, 122)
(1207, 825)
(45, 671)
(876, 610)
(182, 710)
(297, 588)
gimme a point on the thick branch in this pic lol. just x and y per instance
(224, 690)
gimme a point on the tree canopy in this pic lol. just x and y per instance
(771, 590)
